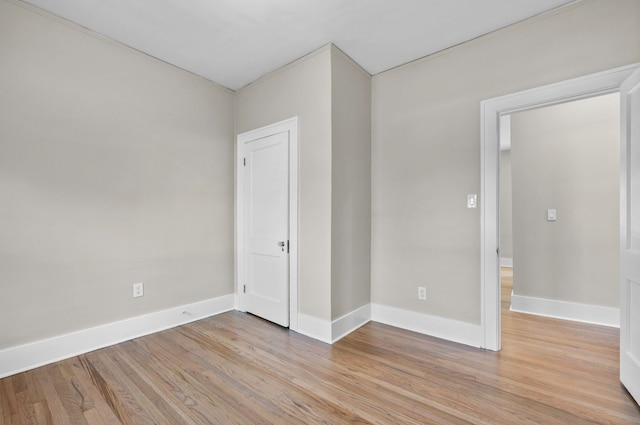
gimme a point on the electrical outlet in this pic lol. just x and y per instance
(422, 293)
(472, 201)
(138, 290)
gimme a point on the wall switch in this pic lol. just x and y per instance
(138, 290)
(422, 293)
(472, 201)
(551, 215)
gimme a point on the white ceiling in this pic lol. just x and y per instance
(235, 42)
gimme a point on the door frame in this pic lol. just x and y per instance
(291, 126)
(491, 110)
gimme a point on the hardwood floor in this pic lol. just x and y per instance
(237, 369)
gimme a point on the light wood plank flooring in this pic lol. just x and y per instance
(238, 369)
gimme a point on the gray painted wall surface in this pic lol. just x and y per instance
(351, 185)
(114, 169)
(567, 157)
(426, 145)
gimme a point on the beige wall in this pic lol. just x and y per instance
(426, 147)
(114, 169)
(566, 157)
(351, 185)
(302, 89)
(506, 231)
(331, 95)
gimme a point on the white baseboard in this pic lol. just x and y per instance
(452, 330)
(506, 262)
(586, 313)
(39, 353)
(350, 322)
(314, 328)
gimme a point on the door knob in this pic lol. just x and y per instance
(281, 243)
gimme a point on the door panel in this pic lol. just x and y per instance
(267, 224)
(633, 126)
(634, 319)
(630, 236)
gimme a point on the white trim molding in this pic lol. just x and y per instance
(314, 327)
(39, 353)
(350, 322)
(491, 110)
(331, 332)
(439, 327)
(506, 262)
(586, 313)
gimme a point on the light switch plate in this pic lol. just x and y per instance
(472, 201)
(551, 215)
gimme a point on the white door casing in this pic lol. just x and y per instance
(491, 110)
(266, 222)
(630, 235)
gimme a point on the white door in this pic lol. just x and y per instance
(266, 192)
(630, 236)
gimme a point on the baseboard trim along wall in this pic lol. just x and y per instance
(439, 327)
(39, 353)
(586, 313)
(350, 322)
(314, 327)
(331, 332)
(506, 262)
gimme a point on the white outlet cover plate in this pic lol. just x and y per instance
(422, 293)
(138, 290)
(472, 201)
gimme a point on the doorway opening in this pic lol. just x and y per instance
(492, 111)
(559, 210)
